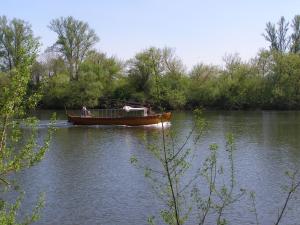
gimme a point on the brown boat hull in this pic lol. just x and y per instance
(128, 121)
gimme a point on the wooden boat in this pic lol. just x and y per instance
(123, 120)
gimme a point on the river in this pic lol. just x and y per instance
(87, 177)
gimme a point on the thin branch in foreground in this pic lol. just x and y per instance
(293, 188)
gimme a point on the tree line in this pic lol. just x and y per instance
(73, 73)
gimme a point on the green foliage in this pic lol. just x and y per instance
(60, 91)
(279, 41)
(74, 74)
(97, 78)
(19, 147)
(85, 91)
(56, 90)
(221, 194)
(123, 90)
(17, 43)
(269, 81)
(8, 212)
(284, 81)
(295, 36)
(202, 85)
(74, 39)
(107, 69)
(240, 88)
(174, 90)
(155, 70)
(142, 68)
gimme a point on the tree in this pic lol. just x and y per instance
(203, 72)
(86, 91)
(75, 39)
(271, 36)
(284, 81)
(295, 37)
(56, 91)
(203, 89)
(17, 43)
(142, 67)
(278, 38)
(19, 148)
(154, 70)
(283, 39)
(52, 64)
(108, 70)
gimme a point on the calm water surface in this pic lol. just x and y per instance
(88, 179)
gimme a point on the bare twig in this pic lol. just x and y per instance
(184, 144)
(252, 196)
(4, 181)
(294, 186)
(176, 210)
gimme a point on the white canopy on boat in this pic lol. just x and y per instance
(129, 109)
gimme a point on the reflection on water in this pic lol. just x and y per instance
(87, 177)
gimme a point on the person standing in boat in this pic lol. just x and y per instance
(85, 112)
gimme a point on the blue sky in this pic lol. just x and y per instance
(199, 31)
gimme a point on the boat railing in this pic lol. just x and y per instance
(111, 113)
